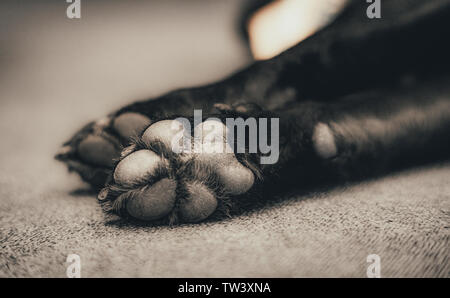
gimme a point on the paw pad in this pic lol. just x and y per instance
(199, 204)
(136, 167)
(153, 202)
(154, 183)
(162, 131)
(93, 150)
(130, 125)
(98, 151)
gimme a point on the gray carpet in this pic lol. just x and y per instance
(57, 74)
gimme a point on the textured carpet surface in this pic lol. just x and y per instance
(57, 74)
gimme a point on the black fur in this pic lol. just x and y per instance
(350, 76)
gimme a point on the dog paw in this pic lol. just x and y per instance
(91, 152)
(175, 174)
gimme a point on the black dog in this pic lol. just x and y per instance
(360, 97)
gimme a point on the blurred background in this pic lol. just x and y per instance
(58, 73)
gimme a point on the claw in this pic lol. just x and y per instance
(103, 194)
(64, 153)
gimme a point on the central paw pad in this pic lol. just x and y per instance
(151, 182)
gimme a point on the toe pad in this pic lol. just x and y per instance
(136, 167)
(97, 150)
(199, 204)
(130, 124)
(153, 202)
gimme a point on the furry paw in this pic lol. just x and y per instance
(175, 174)
(91, 152)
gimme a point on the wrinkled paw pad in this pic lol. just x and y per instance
(151, 182)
